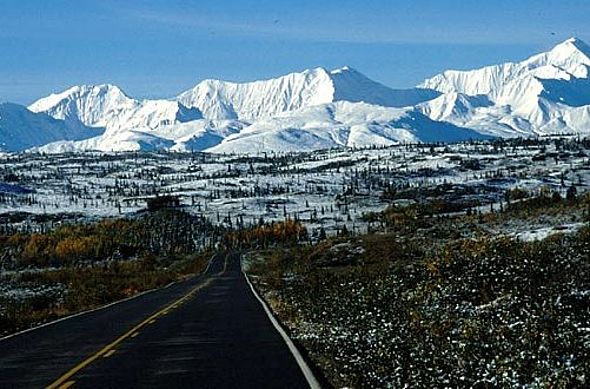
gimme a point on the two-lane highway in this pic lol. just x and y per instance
(207, 332)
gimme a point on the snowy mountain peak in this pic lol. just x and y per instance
(566, 60)
(344, 69)
(262, 99)
(107, 106)
(571, 46)
(572, 56)
(546, 93)
(251, 100)
(76, 92)
(99, 89)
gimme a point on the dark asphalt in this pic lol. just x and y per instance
(218, 338)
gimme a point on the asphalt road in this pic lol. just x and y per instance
(206, 332)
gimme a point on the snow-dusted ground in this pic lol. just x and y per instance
(544, 232)
(327, 188)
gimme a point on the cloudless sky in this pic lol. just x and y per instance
(160, 48)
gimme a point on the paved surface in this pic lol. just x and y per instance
(207, 332)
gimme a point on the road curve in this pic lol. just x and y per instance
(206, 332)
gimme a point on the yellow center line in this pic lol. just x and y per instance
(61, 381)
(111, 352)
(133, 335)
(67, 385)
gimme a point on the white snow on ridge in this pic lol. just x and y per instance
(228, 100)
(263, 99)
(549, 93)
(532, 97)
(109, 107)
(340, 124)
(571, 56)
(196, 135)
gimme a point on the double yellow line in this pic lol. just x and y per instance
(62, 382)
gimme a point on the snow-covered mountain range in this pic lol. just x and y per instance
(21, 129)
(263, 99)
(546, 94)
(108, 107)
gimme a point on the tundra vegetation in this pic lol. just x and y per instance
(441, 300)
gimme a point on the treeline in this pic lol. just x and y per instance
(163, 233)
(516, 200)
(284, 233)
(81, 266)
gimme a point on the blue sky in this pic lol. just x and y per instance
(159, 48)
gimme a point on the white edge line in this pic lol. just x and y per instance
(98, 308)
(308, 374)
